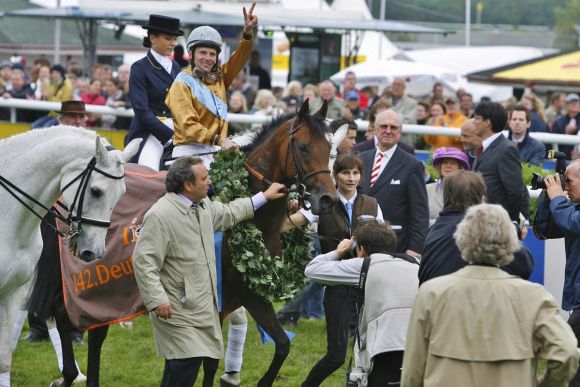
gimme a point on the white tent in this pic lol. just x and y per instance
(420, 76)
(466, 60)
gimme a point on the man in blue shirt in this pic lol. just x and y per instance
(531, 151)
(559, 216)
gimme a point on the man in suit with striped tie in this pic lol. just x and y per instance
(395, 179)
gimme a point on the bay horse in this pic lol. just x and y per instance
(292, 149)
(36, 167)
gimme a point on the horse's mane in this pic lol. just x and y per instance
(316, 123)
(49, 133)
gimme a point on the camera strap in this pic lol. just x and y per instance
(358, 308)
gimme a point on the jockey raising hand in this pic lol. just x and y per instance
(198, 97)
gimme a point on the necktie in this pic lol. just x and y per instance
(348, 206)
(479, 151)
(376, 168)
(194, 205)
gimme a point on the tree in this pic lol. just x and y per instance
(567, 18)
(514, 12)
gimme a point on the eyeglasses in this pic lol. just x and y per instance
(391, 127)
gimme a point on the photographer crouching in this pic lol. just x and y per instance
(558, 216)
(390, 283)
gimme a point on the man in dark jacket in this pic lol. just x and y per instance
(499, 162)
(441, 255)
(531, 151)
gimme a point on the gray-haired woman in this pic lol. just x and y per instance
(481, 326)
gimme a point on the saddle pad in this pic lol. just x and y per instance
(104, 291)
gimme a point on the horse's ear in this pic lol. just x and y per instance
(304, 111)
(323, 109)
(131, 149)
(102, 153)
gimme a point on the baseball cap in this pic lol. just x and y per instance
(5, 63)
(572, 97)
(353, 94)
(451, 98)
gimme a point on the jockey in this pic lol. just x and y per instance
(198, 100)
(198, 103)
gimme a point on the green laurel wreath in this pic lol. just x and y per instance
(272, 278)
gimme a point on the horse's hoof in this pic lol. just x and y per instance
(81, 378)
(57, 382)
(230, 380)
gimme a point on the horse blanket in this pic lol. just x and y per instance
(104, 291)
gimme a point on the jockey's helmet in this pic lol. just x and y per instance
(204, 36)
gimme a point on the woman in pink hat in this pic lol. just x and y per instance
(446, 160)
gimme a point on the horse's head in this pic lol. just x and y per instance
(90, 189)
(309, 152)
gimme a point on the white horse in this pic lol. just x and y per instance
(43, 163)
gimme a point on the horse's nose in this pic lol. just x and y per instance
(88, 256)
(326, 203)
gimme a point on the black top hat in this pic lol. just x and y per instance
(169, 25)
(72, 107)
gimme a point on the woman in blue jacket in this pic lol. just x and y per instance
(150, 80)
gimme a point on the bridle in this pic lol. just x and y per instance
(74, 220)
(300, 178)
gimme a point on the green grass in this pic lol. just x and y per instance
(129, 358)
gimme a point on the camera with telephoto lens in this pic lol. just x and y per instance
(356, 377)
(538, 181)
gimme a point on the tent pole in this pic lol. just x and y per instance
(467, 23)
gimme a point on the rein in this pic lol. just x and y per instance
(300, 186)
(73, 221)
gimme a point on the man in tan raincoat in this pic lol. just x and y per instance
(174, 262)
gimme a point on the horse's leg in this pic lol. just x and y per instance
(69, 367)
(264, 314)
(237, 330)
(210, 367)
(20, 319)
(97, 337)
(9, 307)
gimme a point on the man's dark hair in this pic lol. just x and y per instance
(521, 108)
(494, 112)
(335, 124)
(426, 105)
(556, 96)
(179, 172)
(463, 189)
(348, 161)
(381, 104)
(375, 237)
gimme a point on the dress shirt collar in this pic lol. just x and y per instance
(345, 200)
(487, 142)
(189, 202)
(388, 153)
(164, 61)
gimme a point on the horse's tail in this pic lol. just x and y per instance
(48, 276)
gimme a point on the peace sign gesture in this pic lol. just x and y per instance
(250, 21)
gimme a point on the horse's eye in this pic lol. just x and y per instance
(303, 148)
(96, 192)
